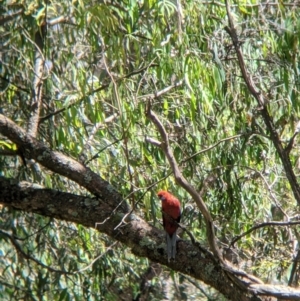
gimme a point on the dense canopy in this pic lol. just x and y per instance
(104, 103)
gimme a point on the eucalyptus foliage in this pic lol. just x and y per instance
(104, 62)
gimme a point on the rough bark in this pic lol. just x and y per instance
(110, 214)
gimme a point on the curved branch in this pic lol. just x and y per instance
(211, 147)
(27, 256)
(262, 225)
(262, 102)
(61, 164)
(143, 239)
(165, 146)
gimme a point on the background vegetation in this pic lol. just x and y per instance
(78, 76)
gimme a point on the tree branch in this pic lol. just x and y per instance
(212, 146)
(165, 146)
(61, 164)
(36, 102)
(27, 256)
(144, 239)
(262, 225)
(96, 127)
(104, 86)
(262, 102)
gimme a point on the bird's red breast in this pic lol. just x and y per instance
(171, 211)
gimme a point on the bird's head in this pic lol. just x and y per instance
(163, 195)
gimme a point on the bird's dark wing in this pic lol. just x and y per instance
(164, 219)
(178, 218)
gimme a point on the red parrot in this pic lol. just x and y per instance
(171, 213)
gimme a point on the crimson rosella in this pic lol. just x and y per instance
(171, 214)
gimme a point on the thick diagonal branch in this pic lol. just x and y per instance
(61, 164)
(143, 239)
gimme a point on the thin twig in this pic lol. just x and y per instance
(269, 188)
(104, 86)
(101, 150)
(153, 141)
(29, 257)
(34, 233)
(141, 198)
(180, 179)
(262, 225)
(162, 91)
(212, 146)
(262, 101)
(97, 258)
(96, 127)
